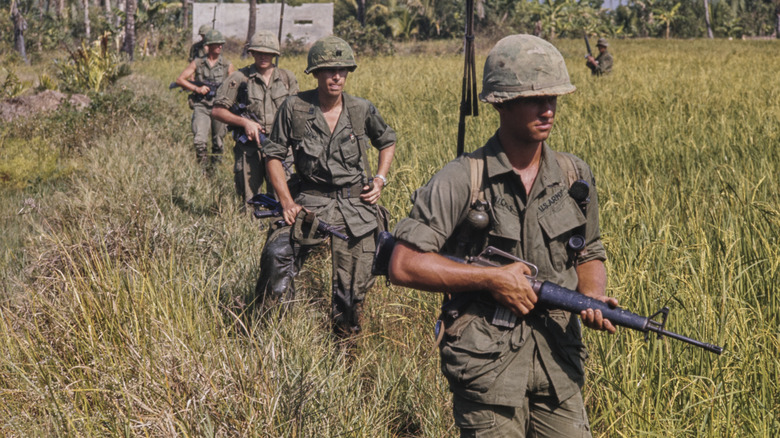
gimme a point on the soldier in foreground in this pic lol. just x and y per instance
(199, 49)
(202, 77)
(518, 376)
(262, 87)
(602, 64)
(328, 131)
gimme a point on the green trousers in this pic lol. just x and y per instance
(204, 126)
(541, 414)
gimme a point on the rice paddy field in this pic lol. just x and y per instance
(125, 279)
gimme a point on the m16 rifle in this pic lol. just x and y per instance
(240, 109)
(266, 206)
(549, 295)
(197, 97)
(587, 45)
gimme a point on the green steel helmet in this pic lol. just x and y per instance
(524, 66)
(331, 52)
(213, 36)
(264, 42)
(204, 29)
(602, 42)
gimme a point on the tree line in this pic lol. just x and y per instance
(154, 26)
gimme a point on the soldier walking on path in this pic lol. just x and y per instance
(601, 65)
(514, 369)
(202, 77)
(329, 132)
(261, 87)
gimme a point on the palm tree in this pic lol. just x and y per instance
(666, 18)
(707, 19)
(20, 25)
(129, 47)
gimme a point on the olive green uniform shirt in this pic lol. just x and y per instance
(211, 73)
(263, 100)
(330, 160)
(483, 362)
(605, 64)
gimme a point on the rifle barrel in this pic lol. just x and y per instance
(560, 297)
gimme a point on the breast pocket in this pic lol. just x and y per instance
(309, 157)
(278, 94)
(349, 147)
(559, 223)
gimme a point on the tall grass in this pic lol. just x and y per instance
(124, 313)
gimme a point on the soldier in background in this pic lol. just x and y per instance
(511, 374)
(329, 132)
(265, 87)
(202, 77)
(601, 65)
(198, 50)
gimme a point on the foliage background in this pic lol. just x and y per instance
(124, 273)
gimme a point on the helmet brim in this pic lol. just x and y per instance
(334, 65)
(504, 96)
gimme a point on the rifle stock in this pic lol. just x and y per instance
(274, 209)
(554, 296)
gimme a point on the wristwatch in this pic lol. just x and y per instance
(383, 178)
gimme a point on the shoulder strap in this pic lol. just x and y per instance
(302, 110)
(285, 76)
(566, 163)
(477, 165)
(357, 112)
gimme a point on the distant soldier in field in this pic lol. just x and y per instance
(202, 77)
(515, 369)
(329, 132)
(601, 65)
(198, 50)
(262, 87)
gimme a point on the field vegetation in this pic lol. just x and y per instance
(125, 273)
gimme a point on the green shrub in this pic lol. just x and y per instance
(90, 68)
(12, 86)
(365, 40)
(24, 161)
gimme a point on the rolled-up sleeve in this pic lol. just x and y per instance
(438, 208)
(228, 90)
(379, 132)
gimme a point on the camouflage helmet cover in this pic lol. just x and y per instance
(330, 52)
(213, 36)
(264, 42)
(524, 66)
(203, 30)
(602, 42)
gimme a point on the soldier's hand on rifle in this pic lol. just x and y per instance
(253, 130)
(592, 60)
(372, 192)
(290, 211)
(593, 319)
(513, 290)
(203, 89)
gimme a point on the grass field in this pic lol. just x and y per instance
(124, 278)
